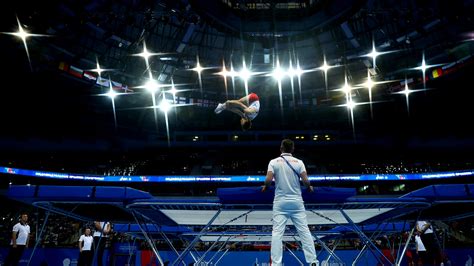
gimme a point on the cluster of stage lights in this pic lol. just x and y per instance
(245, 74)
(280, 73)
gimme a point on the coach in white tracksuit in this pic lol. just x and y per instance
(288, 203)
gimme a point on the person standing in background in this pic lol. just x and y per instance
(102, 230)
(19, 241)
(420, 250)
(85, 248)
(427, 235)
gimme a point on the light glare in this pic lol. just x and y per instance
(152, 86)
(165, 106)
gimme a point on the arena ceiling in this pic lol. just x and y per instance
(384, 40)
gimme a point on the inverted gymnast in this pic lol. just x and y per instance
(246, 107)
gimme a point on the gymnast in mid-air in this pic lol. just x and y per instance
(246, 107)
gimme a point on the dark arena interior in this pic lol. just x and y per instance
(153, 123)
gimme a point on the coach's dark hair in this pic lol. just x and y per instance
(287, 145)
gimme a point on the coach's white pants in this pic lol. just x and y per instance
(294, 210)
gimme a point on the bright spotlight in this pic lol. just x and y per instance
(374, 53)
(112, 94)
(146, 54)
(298, 71)
(198, 68)
(351, 104)
(224, 73)
(278, 73)
(423, 67)
(291, 72)
(295, 72)
(152, 86)
(164, 106)
(325, 67)
(173, 91)
(346, 88)
(23, 35)
(232, 73)
(407, 90)
(245, 74)
(369, 84)
(98, 69)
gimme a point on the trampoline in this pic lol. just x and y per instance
(247, 210)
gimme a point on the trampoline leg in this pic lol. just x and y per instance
(293, 254)
(170, 244)
(40, 235)
(152, 245)
(209, 249)
(400, 258)
(219, 250)
(364, 237)
(401, 242)
(362, 251)
(130, 253)
(203, 256)
(190, 252)
(196, 239)
(192, 256)
(374, 235)
(331, 253)
(325, 247)
(225, 252)
(198, 255)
